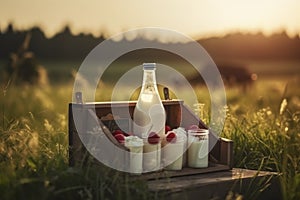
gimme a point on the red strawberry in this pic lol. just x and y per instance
(153, 138)
(167, 128)
(120, 138)
(116, 132)
(171, 137)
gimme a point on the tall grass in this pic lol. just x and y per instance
(34, 152)
(269, 138)
(265, 129)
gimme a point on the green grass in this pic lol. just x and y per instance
(267, 136)
(34, 143)
(34, 151)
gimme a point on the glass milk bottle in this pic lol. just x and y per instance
(149, 113)
(149, 119)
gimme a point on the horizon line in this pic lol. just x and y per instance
(105, 35)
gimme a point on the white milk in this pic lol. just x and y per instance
(172, 153)
(151, 157)
(149, 114)
(198, 148)
(181, 131)
(135, 145)
(172, 156)
(149, 117)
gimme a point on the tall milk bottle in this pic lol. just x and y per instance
(149, 120)
(149, 114)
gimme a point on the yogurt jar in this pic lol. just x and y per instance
(151, 156)
(198, 148)
(182, 132)
(135, 145)
(172, 152)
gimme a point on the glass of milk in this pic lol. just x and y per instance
(198, 148)
(135, 145)
(151, 156)
(172, 153)
(182, 132)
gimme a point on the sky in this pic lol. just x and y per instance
(195, 18)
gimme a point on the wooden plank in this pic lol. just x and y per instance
(186, 171)
(216, 185)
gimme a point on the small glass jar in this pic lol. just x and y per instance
(198, 148)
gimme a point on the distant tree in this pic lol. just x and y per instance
(10, 40)
(39, 43)
(23, 66)
(9, 29)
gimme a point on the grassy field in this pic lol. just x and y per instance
(264, 124)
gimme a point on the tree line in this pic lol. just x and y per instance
(65, 45)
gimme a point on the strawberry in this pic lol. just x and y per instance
(153, 138)
(167, 128)
(171, 137)
(116, 132)
(120, 138)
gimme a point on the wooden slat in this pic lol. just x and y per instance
(217, 185)
(186, 171)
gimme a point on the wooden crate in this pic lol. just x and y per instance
(178, 114)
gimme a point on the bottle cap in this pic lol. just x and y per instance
(149, 66)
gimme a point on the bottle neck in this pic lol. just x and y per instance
(149, 81)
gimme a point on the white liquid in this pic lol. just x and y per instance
(135, 146)
(136, 160)
(149, 117)
(142, 122)
(149, 113)
(198, 154)
(172, 155)
(151, 157)
(183, 134)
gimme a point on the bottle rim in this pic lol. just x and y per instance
(149, 66)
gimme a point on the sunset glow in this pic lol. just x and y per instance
(194, 18)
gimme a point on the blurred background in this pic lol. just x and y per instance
(255, 45)
(247, 40)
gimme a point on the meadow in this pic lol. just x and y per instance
(264, 124)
